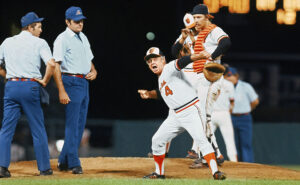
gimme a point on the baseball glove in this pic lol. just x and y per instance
(213, 71)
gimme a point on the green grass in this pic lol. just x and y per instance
(101, 181)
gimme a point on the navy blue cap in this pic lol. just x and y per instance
(231, 71)
(200, 9)
(74, 13)
(30, 18)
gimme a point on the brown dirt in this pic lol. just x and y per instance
(138, 167)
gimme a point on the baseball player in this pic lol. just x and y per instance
(221, 117)
(22, 54)
(183, 102)
(212, 40)
(73, 72)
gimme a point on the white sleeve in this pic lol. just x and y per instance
(45, 52)
(1, 53)
(230, 90)
(218, 34)
(180, 36)
(251, 93)
(58, 49)
(171, 68)
(90, 53)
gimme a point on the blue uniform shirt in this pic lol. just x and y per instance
(74, 53)
(244, 94)
(22, 54)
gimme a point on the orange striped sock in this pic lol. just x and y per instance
(159, 163)
(212, 163)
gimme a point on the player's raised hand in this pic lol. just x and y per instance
(144, 94)
(185, 32)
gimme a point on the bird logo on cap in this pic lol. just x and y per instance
(152, 50)
(188, 20)
(78, 12)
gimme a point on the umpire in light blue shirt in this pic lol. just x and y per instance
(22, 54)
(245, 100)
(73, 72)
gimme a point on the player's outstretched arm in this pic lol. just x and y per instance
(184, 61)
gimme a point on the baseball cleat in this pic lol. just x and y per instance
(154, 176)
(4, 173)
(192, 154)
(46, 172)
(219, 176)
(197, 164)
(220, 160)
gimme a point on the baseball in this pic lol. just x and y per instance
(150, 36)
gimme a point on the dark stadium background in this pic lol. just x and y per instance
(265, 53)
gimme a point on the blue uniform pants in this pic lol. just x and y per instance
(243, 137)
(26, 96)
(75, 114)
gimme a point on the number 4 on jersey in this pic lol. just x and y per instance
(168, 91)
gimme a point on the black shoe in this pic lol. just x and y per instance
(154, 176)
(220, 160)
(192, 154)
(62, 167)
(77, 170)
(46, 172)
(4, 173)
(219, 176)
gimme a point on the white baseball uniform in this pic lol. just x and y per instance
(221, 118)
(183, 102)
(206, 90)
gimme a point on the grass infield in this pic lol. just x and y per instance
(103, 181)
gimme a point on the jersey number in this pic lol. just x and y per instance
(168, 91)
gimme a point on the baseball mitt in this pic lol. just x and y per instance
(213, 71)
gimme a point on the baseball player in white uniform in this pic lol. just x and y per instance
(221, 117)
(212, 40)
(183, 102)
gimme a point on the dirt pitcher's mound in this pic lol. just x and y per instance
(138, 167)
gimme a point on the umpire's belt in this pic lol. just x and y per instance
(187, 105)
(22, 79)
(74, 75)
(242, 114)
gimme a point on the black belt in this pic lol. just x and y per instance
(74, 75)
(241, 114)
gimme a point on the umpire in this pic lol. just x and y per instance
(245, 100)
(74, 68)
(22, 55)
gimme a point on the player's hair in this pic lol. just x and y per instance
(210, 17)
(32, 25)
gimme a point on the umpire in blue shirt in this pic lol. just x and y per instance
(245, 100)
(22, 54)
(74, 69)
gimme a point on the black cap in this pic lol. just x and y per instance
(200, 9)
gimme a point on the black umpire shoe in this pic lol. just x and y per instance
(77, 170)
(219, 176)
(4, 173)
(62, 167)
(154, 176)
(46, 172)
